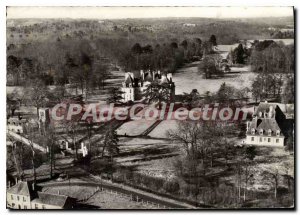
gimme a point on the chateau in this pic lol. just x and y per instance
(270, 124)
(136, 82)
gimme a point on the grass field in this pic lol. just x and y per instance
(135, 150)
(161, 131)
(107, 200)
(188, 78)
(135, 127)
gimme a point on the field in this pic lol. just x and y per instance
(135, 127)
(134, 150)
(188, 78)
(107, 200)
(161, 131)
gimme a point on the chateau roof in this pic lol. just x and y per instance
(266, 124)
(265, 107)
(287, 109)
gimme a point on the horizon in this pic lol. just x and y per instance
(109, 13)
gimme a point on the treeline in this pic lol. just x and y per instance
(229, 31)
(85, 63)
(274, 63)
(167, 56)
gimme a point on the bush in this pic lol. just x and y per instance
(171, 187)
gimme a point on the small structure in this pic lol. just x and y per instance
(23, 196)
(16, 124)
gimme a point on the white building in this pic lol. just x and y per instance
(15, 124)
(269, 126)
(136, 82)
(23, 196)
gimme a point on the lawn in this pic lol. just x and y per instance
(135, 127)
(136, 150)
(78, 192)
(188, 78)
(161, 131)
(108, 200)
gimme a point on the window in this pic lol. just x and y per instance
(36, 206)
(18, 198)
(253, 131)
(269, 132)
(43, 206)
(24, 199)
(12, 197)
(269, 140)
(13, 205)
(261, 132)
(260, 139)
(277, 140)
(252, 139)
(25, 207)
(277, 133)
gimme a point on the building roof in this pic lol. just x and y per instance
(265, 107)
(266, 124)
(16, 119)
(287, 109)
(50, 199)
(21, 188)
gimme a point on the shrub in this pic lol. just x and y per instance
(171, 186)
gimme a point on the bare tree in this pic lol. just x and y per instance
(272, 175)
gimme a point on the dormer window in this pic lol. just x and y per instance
(260, 114)
(253, 131)
(261, 132)
(277, 133)
(269, 132)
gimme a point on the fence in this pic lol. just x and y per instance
(130, 197)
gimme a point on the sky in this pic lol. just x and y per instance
(146, 12)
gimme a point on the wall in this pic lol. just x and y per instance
(128, 94)
(265, 140)
(20, 202)
(40, 206)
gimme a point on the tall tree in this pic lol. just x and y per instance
(156, 92)
(239, 53)
(114, 95)
(110, 143)
(213, 40)
(38, 94)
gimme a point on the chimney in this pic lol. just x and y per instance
(33, 186)
(142, 74)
